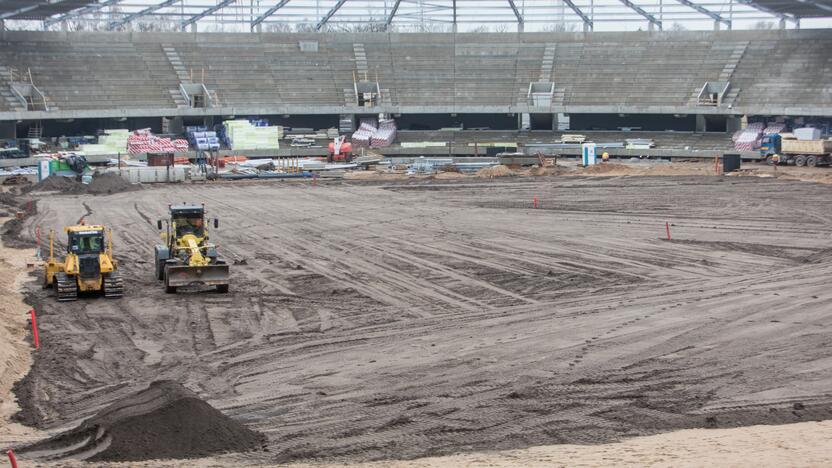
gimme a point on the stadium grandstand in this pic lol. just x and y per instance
(76, 67)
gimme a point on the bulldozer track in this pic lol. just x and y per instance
(113, 285)
(65, 287)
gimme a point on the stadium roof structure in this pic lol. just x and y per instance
(419, 15)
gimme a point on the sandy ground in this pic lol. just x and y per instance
(418, 318)
(15, 350)
(570, 168)
(792, 445)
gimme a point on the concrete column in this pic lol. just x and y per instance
(8, 130)
(701, 126)
(193, 28)
(650, 26)
(2, 25)
(176, 125)
(519, 27)
(716, 25)
(64, 26)
(259, 28)
(782, 24)
(587, 28)
(732, 124)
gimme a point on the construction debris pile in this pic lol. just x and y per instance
(375, 135)
(144, 141)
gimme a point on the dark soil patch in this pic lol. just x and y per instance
(164, 421)
(101, 184)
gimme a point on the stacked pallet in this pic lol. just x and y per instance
(245, 135)
(384, 134)
(370, 134)
(748, 139)
(144, 141)
(111, 142)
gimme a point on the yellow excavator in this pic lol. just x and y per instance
(187, 259)
(88, 266)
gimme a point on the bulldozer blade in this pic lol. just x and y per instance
(209, 275)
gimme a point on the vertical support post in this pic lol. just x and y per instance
(12, 459)
(35, 337)
(667, 228)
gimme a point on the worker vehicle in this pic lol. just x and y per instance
(779, 150)
(89, 267)
(339, 151)
(187, 259)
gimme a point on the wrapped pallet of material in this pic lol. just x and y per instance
(807, 133)
(111, 142)
(242, 135)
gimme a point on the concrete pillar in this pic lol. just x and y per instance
(208, 121)
(733, 124)
(8, 130)
(2, 25)
(782, 24)
(519, 27)
(176, 125)
(259, 28)
(193, 28)
(587, 28)
(701, 126)
(716, 25)
(64, 26)
(650, 26)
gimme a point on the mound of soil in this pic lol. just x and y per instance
(164, 421)
(101, 184)
(496, 171)
(109, 182)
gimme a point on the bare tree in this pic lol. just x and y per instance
(763, 25)
(677, 27)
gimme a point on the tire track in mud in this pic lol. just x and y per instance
(368, 325)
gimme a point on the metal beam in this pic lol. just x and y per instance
(27, 9)
(705, 11)
(578, 12)
(516, 12)
(392, 14)
(782, 16)
(208, 12)
(268, 13)
(139, 14)
(652, 19)
(329, 14)
(79, 12)
(817, 4)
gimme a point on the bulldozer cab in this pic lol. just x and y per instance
(188, 221)
(85, 242)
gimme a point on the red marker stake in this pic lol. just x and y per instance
(12, 460)
(667, 227)
(34, 328)
(535, 201)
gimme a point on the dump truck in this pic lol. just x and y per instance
(777, 149)
(187, 259)
(89, 266)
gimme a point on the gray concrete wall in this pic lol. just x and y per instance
(820, 105)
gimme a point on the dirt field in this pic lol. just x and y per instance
(407, 319)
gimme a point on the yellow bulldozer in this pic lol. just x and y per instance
(89, 266)
(187, 259)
